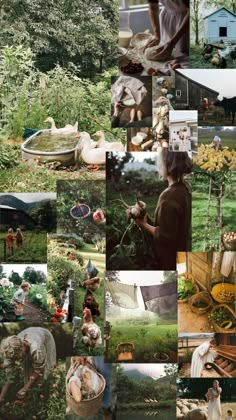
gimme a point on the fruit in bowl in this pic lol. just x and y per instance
(132, 68)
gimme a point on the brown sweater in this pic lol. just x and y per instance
(173, 223)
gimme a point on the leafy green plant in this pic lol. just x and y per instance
(38, 296)
(8, 157)
(185, 288)
(6, 295)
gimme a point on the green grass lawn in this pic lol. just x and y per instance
(30, 177)
(199, 210)
(34, 248)
(89, 251)
(228, 138)
(197, 61)
(147, 339)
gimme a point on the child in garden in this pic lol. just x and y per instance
(10, 240)
(19, 238)
(18, 300)
(229, 415)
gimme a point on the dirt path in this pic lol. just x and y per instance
(35, 314)
(191, 322)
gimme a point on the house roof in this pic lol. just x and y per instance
(216, 11)
(186, 76)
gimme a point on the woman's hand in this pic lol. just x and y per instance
(164, 52)
(79, 360)
(152, 43)
(141, 222)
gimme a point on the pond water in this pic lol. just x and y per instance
(161, 414)
(53, 142)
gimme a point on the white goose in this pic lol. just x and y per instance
(90, 155)
(64, 130)
(116, 146)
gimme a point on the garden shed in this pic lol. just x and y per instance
(220, 26)
(14, 218)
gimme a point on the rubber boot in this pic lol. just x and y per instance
(19, 318)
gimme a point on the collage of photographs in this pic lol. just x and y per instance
(117, 209)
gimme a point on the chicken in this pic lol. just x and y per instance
(91, 332)
(92, 284)
(91, 303)
(91, 269)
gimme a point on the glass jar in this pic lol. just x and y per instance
(125, 32)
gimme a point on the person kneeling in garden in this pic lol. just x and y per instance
(35, 346)
(19, 299)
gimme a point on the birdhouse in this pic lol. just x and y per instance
(220, 26)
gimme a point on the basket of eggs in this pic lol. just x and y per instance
(229, 240)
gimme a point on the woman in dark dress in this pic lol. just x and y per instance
(172, 226)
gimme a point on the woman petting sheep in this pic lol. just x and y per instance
(171, 230)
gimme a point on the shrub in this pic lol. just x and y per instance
(38, 296)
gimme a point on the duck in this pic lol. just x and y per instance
(116, 146)
(94, 157)
(64, 130)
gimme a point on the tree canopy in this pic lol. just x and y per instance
(79, 32)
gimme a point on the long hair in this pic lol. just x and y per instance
(175, 164)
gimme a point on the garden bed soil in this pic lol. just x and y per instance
(36, 315)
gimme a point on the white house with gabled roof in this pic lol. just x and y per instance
(220, 26)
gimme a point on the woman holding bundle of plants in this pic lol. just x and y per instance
(171, 230)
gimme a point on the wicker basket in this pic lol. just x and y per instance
(229, 245)
(125, 352)
(164, 357)
(228, 287)
(219, 329)
(84, 407)
(189, 278)
(205, 298)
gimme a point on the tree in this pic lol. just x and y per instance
(170, 276)
(33, 276)
(15, 278)
(196, 16)
(229, 4)
(78, 32)
(2, 273)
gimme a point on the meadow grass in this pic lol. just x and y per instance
(147, 339)
(34, 248)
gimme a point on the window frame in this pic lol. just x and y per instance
(125, 5)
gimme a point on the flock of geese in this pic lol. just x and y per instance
(91, 152)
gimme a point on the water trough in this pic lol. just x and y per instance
(45, 146)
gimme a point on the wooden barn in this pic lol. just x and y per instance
(190, 94)
(220, 26)
(11, 217)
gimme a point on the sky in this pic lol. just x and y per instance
(183, 115)
(31, 197)
(140, 278)
(221, 80)
(20, 268)
(152, 370)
